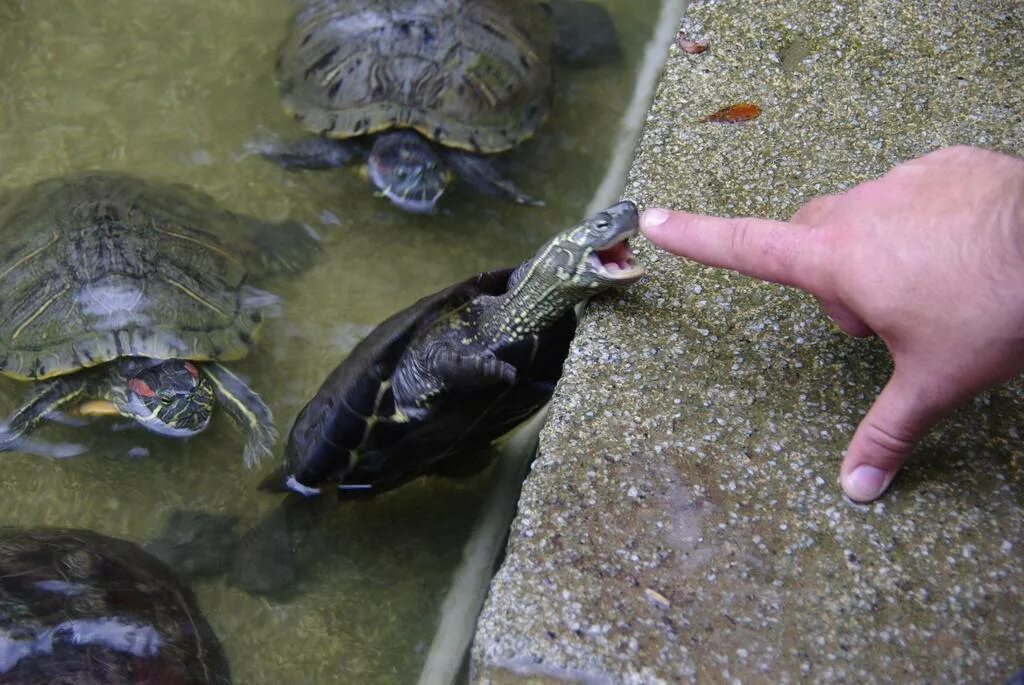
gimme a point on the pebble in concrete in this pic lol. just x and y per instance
(682, 521)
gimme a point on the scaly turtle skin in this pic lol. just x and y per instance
(121, 296)
(443, 378)
(80, 608)
(424, 89)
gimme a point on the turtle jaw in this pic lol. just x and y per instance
(609, 260)
(183, 426)
(170, 398)
(408, 172)
(415, 190)
(615, 263)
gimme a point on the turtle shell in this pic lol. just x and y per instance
(97, 266)
(80, 608)
(469, 74)
(350, 433)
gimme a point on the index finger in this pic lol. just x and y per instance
(777, 251)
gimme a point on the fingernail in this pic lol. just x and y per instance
(653, 217)
(865, 483)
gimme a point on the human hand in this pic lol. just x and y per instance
(929, 257)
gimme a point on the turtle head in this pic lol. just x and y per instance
(586, 259)
(168, 397)
(590, 257)
(407, 171)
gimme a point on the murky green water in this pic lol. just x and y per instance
(175, 91)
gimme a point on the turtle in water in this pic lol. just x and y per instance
(438, 381)
(122, 295)
(421, 90)
(81, 608)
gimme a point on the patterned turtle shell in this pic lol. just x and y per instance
(468, 74)
(99, 265)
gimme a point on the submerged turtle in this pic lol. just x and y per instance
(120, 295)
(443, 378)
(80, 608)
(440, 85)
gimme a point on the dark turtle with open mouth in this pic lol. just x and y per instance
(424, 90)
(121, 296)
(437, 382)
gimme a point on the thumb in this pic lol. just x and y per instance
(885, 438)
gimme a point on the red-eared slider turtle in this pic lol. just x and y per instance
(80, 608)
(121, 295)
(441, 86)
(445, 377)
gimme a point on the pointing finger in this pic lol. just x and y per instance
(775, 251)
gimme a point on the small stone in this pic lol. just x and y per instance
(657, 599)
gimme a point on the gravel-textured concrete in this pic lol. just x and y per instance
(682, 520)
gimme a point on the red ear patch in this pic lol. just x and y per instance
(191, 368)
(139, 387)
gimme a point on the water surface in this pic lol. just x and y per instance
(176, 91)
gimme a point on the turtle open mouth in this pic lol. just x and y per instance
(412, 204)
(617, 262)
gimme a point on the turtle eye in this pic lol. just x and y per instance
(166, 399)
(401, 174)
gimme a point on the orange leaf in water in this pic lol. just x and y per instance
(734, 114)
(691, 47)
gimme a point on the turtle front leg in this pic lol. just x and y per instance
(47, 401)
(314, 153)
(481, 173)
(440, 365)
(248, 411)
(469, 369)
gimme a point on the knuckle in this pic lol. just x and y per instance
(739, 239)
(889, 446)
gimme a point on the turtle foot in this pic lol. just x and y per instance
(309, 153)
(54, 450)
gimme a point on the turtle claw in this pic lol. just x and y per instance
(66, 419)
(254, 453)
(260, 443)
(40, 448)
(309, 153)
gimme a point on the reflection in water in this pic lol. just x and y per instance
(177, 91)
(113, 633)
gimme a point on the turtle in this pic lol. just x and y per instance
(422, 90)
(435, 383)
(123, 295)
(81, 608)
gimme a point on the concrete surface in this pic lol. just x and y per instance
(682, 521)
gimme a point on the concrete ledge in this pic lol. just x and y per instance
(682, 521)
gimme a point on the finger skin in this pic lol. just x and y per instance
(815, 211)
(928, 257)
(775, 251)
(848, 321)
(903, 413)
